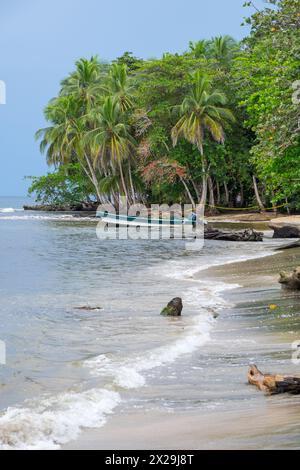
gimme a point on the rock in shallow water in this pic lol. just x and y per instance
(174, 308)
(290, 280)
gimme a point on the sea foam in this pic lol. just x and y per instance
(56, 420)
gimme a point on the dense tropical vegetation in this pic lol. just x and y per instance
(217, 124)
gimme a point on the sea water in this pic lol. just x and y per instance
(69, 369)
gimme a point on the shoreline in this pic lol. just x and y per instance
(225, 429)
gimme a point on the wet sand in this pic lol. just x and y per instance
(250, 420)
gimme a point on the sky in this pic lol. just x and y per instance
(41, 39)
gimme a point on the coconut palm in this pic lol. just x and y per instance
(199, 48)
(202, 115)
(86, 83)
(222, 49)
(120, 86)
(63, 142)
(110, 140)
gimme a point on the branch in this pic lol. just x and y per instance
(255, 7)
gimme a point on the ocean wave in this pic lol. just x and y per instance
(62, 218)
(130, 373)
(56, 420)
(8, 210)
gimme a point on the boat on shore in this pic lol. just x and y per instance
(150, 221)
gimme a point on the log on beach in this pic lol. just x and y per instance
(274, 384)
(248, 235)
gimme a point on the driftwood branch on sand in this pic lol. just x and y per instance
(289, 246)
(234, 236)
(274, 384)
(290, 280)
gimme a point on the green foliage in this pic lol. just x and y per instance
(264, 76)
(66, 186)
(117, 123)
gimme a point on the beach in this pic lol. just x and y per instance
(253, 421)
(122, 376)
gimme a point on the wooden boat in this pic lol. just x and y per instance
(140, 221)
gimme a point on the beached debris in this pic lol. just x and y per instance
(174, 308)
(88, 308)
(286, 227)
(290, 280)
(248, 235)
(274, 384)
(288, 246)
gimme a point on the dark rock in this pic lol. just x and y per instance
(290, 280)
(174, 308)
(285, 230)
(75, 207)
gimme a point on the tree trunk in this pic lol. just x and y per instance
(93, 176)
(218, 194)
(211, 193)
(131, 182)
(226, 193)
(258, 198)
(287, 207)
(196, 190)
(92, 180)
(204, 183)
(242, 194)
(123, 182)
(188, 192)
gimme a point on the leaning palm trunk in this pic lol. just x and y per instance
(196, 189)
(204, 184)
(258, 198)
(123, 181)
(188, 192)
(131, 182)
(92, 176)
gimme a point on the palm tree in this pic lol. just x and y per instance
(222, 49)
(63, 141)
(86, 83)
(202, 114)
(120, 87)
(110, 140)
(199, 48)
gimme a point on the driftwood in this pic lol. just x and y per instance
(288, 246)
(274, 384)
(292, 280)
(234, 236)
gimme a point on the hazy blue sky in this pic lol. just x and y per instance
(41, 39)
